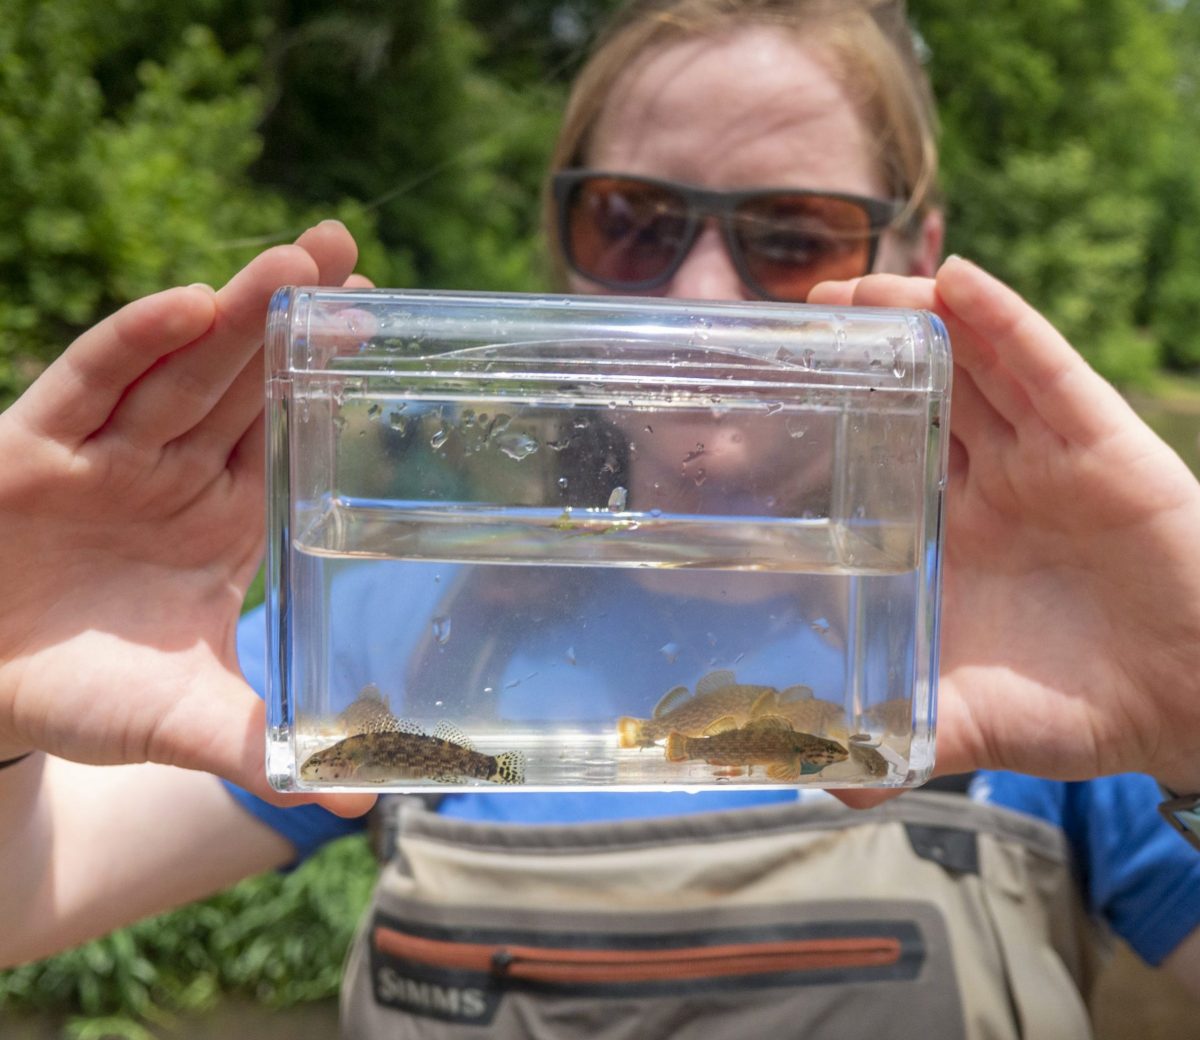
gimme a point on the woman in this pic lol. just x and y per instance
(146, 573)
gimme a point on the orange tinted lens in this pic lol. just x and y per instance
(789, 243)
(624, 232)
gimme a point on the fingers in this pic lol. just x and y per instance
(76, 395)
(1019, 360)
(182, 390)
(334, 250)
(223, 734)
(183, 387)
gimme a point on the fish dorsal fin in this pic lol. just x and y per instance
(722, 725)
(408, 726)
(769, 722)
(450, 733)
(371, 692)
(671, 699)
(797, 693)
(714, 681)
(766, 703)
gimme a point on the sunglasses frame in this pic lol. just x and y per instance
(703, 203)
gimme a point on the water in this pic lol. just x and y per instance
(452, 623)
(522, 572)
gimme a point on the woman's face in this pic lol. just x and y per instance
(749, 110)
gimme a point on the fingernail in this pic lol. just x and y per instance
(203, 285)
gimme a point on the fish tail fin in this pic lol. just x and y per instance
(629, 731)
(510, 768)
(676, 747)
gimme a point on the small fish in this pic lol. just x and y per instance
(768, 741)
(864, 755)
(718, 695)
(406, 753)
(806, 713)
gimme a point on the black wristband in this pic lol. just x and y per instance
(14, 761)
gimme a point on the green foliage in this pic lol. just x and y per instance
(277, 938)
(1061, 127)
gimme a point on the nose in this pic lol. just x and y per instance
(707, 272)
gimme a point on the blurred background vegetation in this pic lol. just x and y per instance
(145, 143)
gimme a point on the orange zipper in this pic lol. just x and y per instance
(572, 965)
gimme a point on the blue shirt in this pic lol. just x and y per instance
(1136, 873)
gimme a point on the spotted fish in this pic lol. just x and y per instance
(767, 741)
(406, 753)
(718, 695)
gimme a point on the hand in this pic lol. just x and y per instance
(131, 506)
(1071, 605)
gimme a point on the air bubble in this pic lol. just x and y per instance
(670, 651)
(796, 427)
(616, 501)
(441, 629)
(517, 445)
(438, 439)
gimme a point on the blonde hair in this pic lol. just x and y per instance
(871, 50)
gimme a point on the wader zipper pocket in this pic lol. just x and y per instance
(574, 966)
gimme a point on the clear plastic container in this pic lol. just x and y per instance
(545, 542)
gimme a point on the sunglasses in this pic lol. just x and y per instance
(633, 233)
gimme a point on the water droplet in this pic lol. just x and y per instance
(570, 655)
(439, 704)
(397, 422)
(580, 424)
(559, 445)
(796, 427)
(517, 445)
(438, 439)
(488, 689)
(820, 626)
(468, 417)
(670, 651)
(373, 411)
(774, 406)
(500, 423)
(562, 482)
(700, 477)
(441, 629)
(616, 501)
(649, 428)
(695, 454)
(656, 512)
